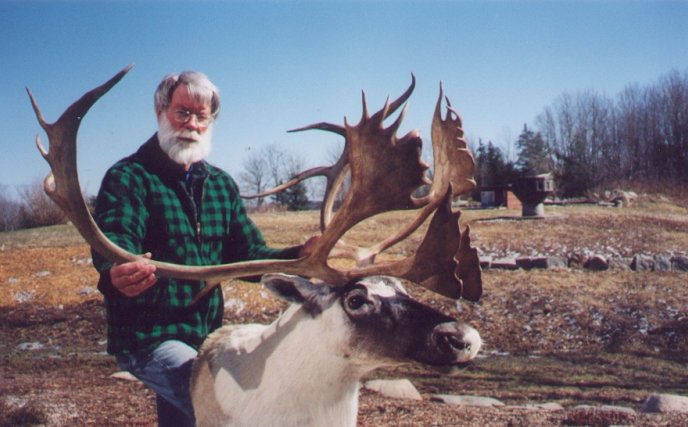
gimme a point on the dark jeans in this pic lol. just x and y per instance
(167, 370)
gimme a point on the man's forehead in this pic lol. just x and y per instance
(184, 97)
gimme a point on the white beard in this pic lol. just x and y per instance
(179, 150)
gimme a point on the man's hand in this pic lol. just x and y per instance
(132, 278)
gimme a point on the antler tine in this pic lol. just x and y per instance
(394, 127)
(62, 160)
(364, 107)
(329, 127)
(310, 173)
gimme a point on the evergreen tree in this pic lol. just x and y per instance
(491, 167)
(533, 155)
(295, 198)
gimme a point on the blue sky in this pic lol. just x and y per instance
(283, 65)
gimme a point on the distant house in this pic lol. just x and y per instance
(496, 196)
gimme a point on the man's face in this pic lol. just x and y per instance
(185, 128)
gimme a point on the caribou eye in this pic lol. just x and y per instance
(355, 302)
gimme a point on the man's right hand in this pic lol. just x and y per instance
(132, 278)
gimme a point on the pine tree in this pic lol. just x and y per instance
(533, 156)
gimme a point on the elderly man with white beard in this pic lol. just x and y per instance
(166, 201)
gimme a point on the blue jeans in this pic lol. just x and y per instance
(166, 370)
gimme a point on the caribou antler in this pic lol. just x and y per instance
(385, 171)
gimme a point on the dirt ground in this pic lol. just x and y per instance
(569, 336)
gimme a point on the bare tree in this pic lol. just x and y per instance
(37, 209)
(9, 211)
(275, 160)
(254, 176)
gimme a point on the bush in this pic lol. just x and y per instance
(37, 209)
(9, 211)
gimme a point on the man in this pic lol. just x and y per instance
(167, 202)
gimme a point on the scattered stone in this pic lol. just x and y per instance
(82, 261)
(596, 263)
(525, 263)
(13, 280)
(505, 264)
(30, 346)
(396, 389)
(662, 263)
(663, 403)
(124, 375)
(619, 263)
(466, 400)
(24, 296)
(643, 263)
(549, 406)
(577, 260)
(550, 262)
(86, 291)
(43, 273)
(615, 408)
(485, 262)
(679, 263)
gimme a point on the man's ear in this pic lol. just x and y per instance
(299, 290)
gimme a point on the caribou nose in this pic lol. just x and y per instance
(460, 339)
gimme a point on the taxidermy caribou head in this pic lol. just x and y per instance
(304, 368)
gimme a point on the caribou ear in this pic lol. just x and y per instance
(296, 289)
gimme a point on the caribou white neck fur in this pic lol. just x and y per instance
(301, 370)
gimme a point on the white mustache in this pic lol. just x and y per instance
(185, 135)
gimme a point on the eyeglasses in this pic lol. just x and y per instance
(184, 116)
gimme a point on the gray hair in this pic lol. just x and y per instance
(200, 87)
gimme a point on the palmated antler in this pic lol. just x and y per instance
(385, 171)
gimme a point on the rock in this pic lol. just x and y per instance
(505, 264)
(549, 406)
(485, 262)
(43, 273)
(620, 198)
(662, 263)
(24, 296)
(550, 262)
(577, 260)
(615, 408)
(396, 389)
(596, 263)
(30, 346)
(619, 263)
(86, 291)
(643, 263)
(679, 263)
(663, 403)
(466, 400)
(524, 262)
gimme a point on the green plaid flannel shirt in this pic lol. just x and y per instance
(144, 205)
